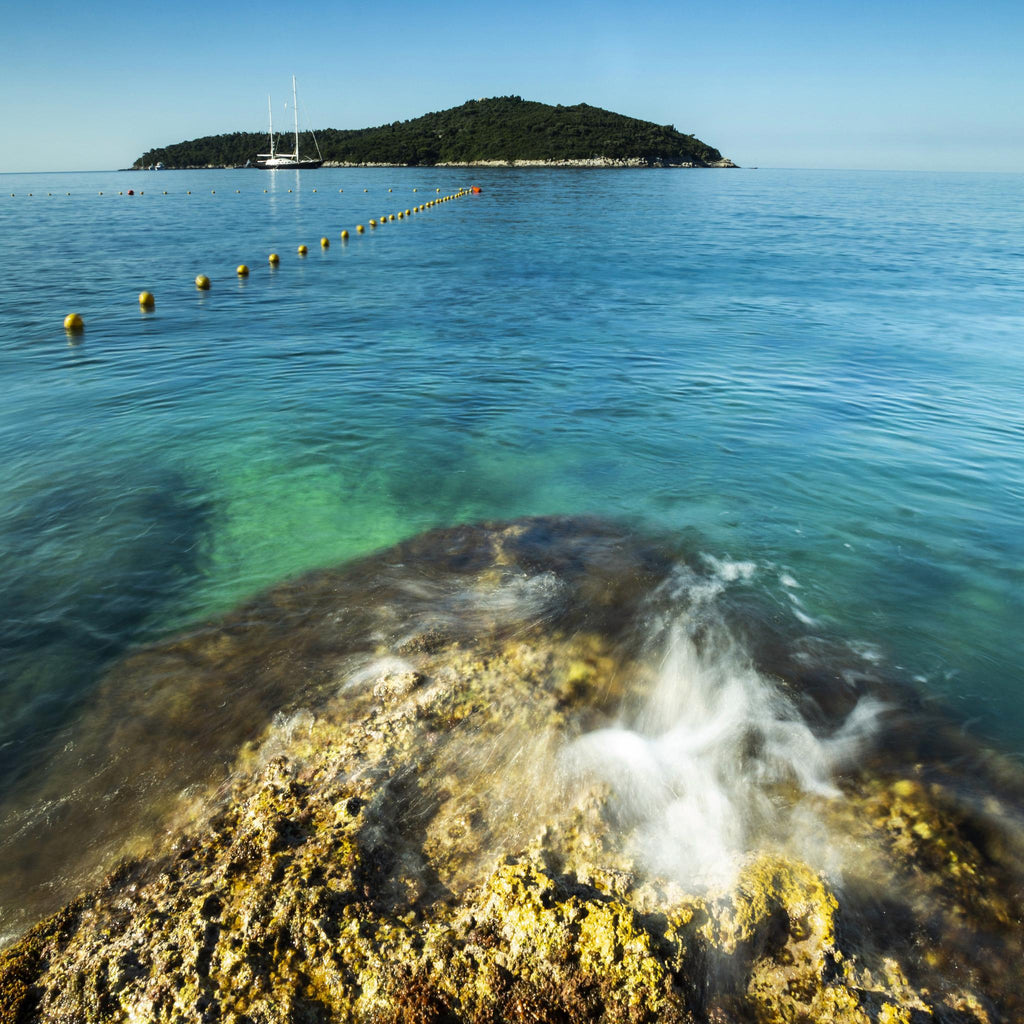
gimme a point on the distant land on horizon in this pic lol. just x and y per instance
(505, 130)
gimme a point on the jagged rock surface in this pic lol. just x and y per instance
(397, 845)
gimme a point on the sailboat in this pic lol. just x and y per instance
(271, 161)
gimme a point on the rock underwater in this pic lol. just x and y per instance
(531, 772)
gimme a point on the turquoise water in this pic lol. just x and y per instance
(818, 373)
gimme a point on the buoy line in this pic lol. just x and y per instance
(74, 324)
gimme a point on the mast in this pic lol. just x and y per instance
(270, 118)
(295, 111)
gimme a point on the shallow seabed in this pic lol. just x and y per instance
(811, 375)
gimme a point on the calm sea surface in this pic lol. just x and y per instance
(818, 373)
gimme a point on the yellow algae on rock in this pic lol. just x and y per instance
(399, 839)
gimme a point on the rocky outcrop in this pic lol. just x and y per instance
(404, 842)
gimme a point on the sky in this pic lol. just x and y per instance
(901, 85)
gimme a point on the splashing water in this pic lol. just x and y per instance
(716, 760)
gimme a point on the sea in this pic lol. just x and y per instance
(813, 379)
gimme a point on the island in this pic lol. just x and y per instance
(501, 131)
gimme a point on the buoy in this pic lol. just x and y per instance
(146, 300)
(341, 190)
(391, 217)
(73, 323)
(202, 282)
(188, 193)
(314, 190)
(213, 191)
(303, 250)
(325, 243)
(437, 190)
(242, 271)
(373, 223)
(408, 213)
(415, 190)
(131, 191)
(238, 191)
(476, 188)
(366, 190)
(289, 190)
(344, 236)
(400, 215)
(360, 229)
(390, 190)
(273, 259)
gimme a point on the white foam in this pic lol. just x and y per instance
(376, 669)
(730, 571)
(718, 759)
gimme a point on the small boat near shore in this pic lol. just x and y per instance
(294, 161)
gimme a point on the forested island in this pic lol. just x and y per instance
(502, 130)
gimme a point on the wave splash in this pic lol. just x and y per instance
(716, 760)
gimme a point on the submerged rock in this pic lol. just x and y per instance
(414, 836)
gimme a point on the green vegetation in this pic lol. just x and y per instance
(506, 128)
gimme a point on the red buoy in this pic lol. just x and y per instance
(476, 188)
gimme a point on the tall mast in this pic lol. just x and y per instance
(270, 119)
(295, 111)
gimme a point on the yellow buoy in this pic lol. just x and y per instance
(303, 250)
(202, 282)
(274, 259)
(213, 191)
(390, 190)
(408, 213)
(391, 217)
(242, 271)
(437, 190)
(289, 190)
(325, 243)
(373, 223)
(366, 190)
(146, 300)
(314, 190)
(360, 229)
(73, 323)
(400, 215)
(415, 190)
(344, 235)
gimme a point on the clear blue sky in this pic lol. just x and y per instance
(799, 83)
